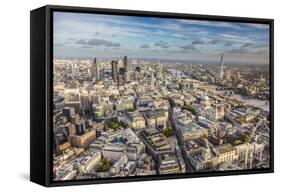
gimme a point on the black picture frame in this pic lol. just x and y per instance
(41, 56)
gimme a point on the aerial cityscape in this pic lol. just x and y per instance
(136, 96)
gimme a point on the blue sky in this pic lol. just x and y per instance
(79, 35)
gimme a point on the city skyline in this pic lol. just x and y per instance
(124, 105)
(158, 38)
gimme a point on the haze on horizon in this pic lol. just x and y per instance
(80, 35)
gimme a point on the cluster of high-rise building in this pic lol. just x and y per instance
(244, 79)
(135, 117)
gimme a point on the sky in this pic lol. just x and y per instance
(81, 35)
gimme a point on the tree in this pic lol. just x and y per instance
(168, 131)
(237, 142)
(246, 138)
(178, 171)
(205, 135)
(113, 125)
(189, 108)
(131, 109)
(126, 126)
(103, 166)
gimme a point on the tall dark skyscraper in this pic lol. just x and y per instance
(97, 70)
(114, 70)
(127, 73)
(125, 63)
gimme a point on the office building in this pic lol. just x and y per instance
(114, 70)
(97, 72)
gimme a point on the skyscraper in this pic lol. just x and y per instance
(114, 70)
(126, 66)
(97, 70)
(126, 63)
(228, 74)
(220, 74)
(68, 112)
(158, 70)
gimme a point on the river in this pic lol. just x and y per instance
(262, 104)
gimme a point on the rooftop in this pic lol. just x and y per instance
(225, 148)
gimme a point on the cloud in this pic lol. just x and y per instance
(246, 51)
(262, 52)
(197, 42)
(115, 48)
(257, 26)
(236, 38)
(262, 46)
(98, 42)
(162, 44)
(214, 42)
(211, 23)
(247, 45)
(144, 46)
(227, 44)
(82, 42)
(238, 51)
(188, 47)
(224, 24)
(162, 35)
(86, 47)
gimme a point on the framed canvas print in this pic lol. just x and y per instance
(120, 95)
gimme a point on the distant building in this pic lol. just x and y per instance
(68, 112)
(144, 101)
(119, 164)
(158, 71)
(205, 109)
(228, 74)
(138, 73)
(205, 102)
(156, 143)
(114, 70)
(126, 66)
(97, 70)
(98, 111)
(207, 123)
(89, 162)
(135, 120)
(84, 101)
(59, 139)
(80, 128)
(134, 151)
(200, 158)
(190, 130)
(113, 151)
(127, 69)
(168, 164)
(74, 104)
(227, 153)
(156, 119)
(120, 79)
(220, 72)
(130, 167)
(83, 140)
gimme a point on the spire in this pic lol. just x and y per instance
(220, 75)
